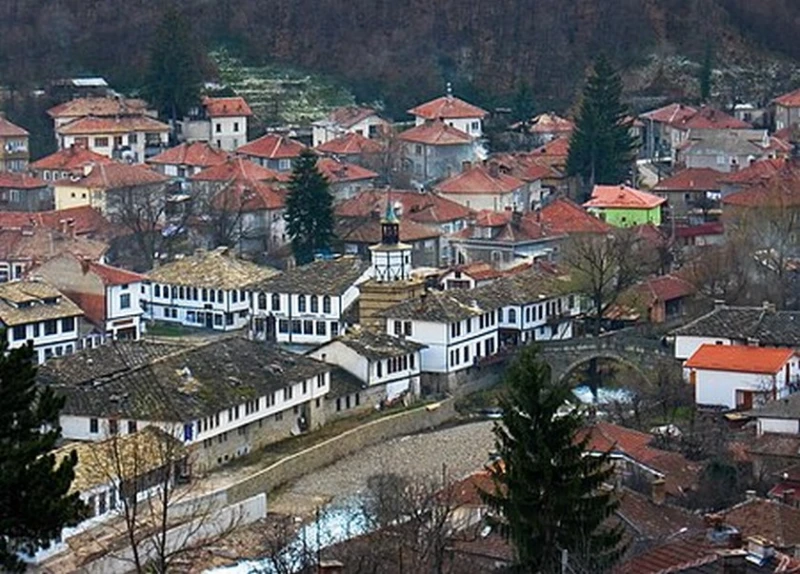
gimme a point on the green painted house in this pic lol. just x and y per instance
(624, 206)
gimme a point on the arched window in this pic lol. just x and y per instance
(301, 303)
(379, 369)
(314, 304)
(156, 290)
(326, 304)
(276, 302)
(512, 315)
(262, 301)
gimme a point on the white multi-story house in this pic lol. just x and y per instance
(348, 119)
(457, 327)
(208, 289)
(132, 139)
(32, 310)
(384, 367)
(188, 159)
(452, 111)
(222, 122)
(222, 399)
(109, 297)
(740, 377)
(306, 305)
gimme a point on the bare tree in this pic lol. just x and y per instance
(605, 266)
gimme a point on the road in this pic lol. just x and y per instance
(463, 450)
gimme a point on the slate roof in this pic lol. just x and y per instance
(272, 146)
(435, 133)
(447, 107)
(191, 383)
(444, 306)
(216, 269)
(740, 358)
(11, 130)
(324, 277)
(350, 144)
(785, 408)
(226, 107)
(24, 302)
(528, 286)
(343, 383)
(771, 328)
(195, 154)
(376, 345)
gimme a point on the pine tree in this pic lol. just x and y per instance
(549, 496)
(173, 78)
(35, 503)
(309, 210)
(602, 149)
(706, 71)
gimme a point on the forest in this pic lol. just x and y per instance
(397, 51)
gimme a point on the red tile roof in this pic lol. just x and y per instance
(85, 220)
(112, 275)
(789, 100)
(89, 125)
(666, 288)
(490, 218)
(622, 197)
(691, 178)
(338, 171)
(116, 175)
(350, 144)
(480, 179)
(671, 556)
(236, 168)
(195, 154)
(782, 188)
(563, 216)
(249, 196)
(707, 118)
(9, 130)
(37, 244)
(272, 146)
(435, 133)
(98, 107)
(775, 521)
(9, 180)
(479, 271)
(739, 358)
(71, 159)
(756, 171)
(708, 228)
(368, 230)
(654, 521)
(558, 148)
(670, 114)
(348, 116)
(447, 107)
(550, 123)
(427, 208)
(226, 107)
(526, 166)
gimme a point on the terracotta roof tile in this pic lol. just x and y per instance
(37, 244)
(781, 188)
(337, 171)
(654, 521)
(98, 107)
(563, 216)
(71, 159)
(426, 208)
(350, 144)
(8, 129)
(435, 133)
(491, 218)
(368, 230)
(85, 220)
(113, 275)
(447, 107)
(348, 116)
(755, 172)
(789, 100)
(195, 154)
(670, 114)
(775, 521)
(622, 197)
(558, 148)
(739, 358)
(226, 107)
(238, 168)
(249, 196)
(87, 125)
(708, 228)
(13, 180)
(692, 178)
(550, 123)
(117, 175)
(671, 556)
(666, 288)
(708, 118)
(480, 179)
(272, 146)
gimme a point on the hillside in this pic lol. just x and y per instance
(403, 50)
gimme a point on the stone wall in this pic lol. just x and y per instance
(331, 450)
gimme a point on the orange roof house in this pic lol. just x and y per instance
(345, 179)
(623, 206)
(237, 168)
(740, 358)
(436, 133)
(66, 162)
(485, 186)
(355, 120)
(564, 217)
(447, 108)
(786, 106)
(350, 144)
(272, 151)
(188, 158)
(226, 107)
(99, 179)
(434, 150)
(426, 208)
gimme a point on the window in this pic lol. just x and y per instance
(320, 381)
(133, 139)
(379, 369)
(67, 324)
(466, 354)
(308, 327)
(100, 142)
(131, 427)
(157, 291)
(321, 328)
(305, 387)
(398, 328)
(283, 326)
(217, 320)
(411, 361)
(36, 330)
(476, 126)
(512, 315)
(218, 127)
(314, 304)
(19, 332)
(287, 393)
(220, 296)
(276, 302)
(278, 416)
(262, 301)
(284, 164)
(334, 329)
(113, 426)
(112, 499)
(326, 304)
(93, 426)
(418, 149)
(125, 301)
(301, 303)
(236, 126)
(50, 327)
(234, 296)
(297, 326)
(407, 328)
(469, 325)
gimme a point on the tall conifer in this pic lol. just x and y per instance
(309, 210)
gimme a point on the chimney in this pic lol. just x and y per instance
(732, 561)
(62, 226)
(494, 170)
(330, 567)
(759, 548)
(768, 307)
(71, 228)
(465, 165)
(787, 496)
(750, 494)
(658, 491)
(516, 218)
(719, 304)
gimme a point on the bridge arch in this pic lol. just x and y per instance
(559, 375)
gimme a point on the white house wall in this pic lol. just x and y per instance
(686, 346)
(719, 387)
(783, 426)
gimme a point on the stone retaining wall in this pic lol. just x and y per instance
(336, 448)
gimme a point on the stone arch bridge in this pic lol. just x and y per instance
(644, 355)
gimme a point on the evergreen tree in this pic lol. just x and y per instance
(706, 70)
(34, 500)
(309, 209)
(602, 149)
(174, 76)
(549, 496)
